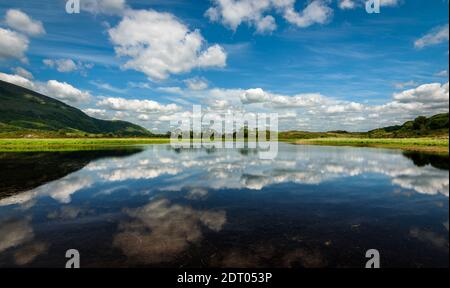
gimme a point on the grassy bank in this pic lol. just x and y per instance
(434, 145)
(73, 144)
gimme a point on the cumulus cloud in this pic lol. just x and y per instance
(23, 72)
(60, 90)
(254, 12)
(13, 45)
(196, 84)
(172, 90)
(317, 12)
(23, 23)
(435, 36)
(62, 65)
(347, 4)
(66, 65)
(17, 80)
(434, 93)
(258, 95)
(158, 45)
(60, 190)
(65, 91)
(319, 112)
(159, 231)
(403, 85)
(143, 117)
(443, 73)
(108, 7)
(14, 233)
(141, 106)
(315, 111)
(96, 113)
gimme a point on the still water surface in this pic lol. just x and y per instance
(156, 206)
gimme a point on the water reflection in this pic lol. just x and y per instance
(311, 207)
(160, 230)
(24, 171)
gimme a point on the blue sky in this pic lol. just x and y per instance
(320, 65)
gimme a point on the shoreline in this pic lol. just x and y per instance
(426, 145)
(73, 144)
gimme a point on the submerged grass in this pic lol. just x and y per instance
(435, 145)
(73, 144)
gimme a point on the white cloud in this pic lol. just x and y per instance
(139, 85)
(23, 72)
(108, 87)
(390, 3)
(65, 91)
(97, 113)
(343, 108)
(141, 106)
(60, 90)
(317, 12)
(435, 36)
(433, 93)
(403, 85)
(256, 95)
(218, 104)
(62, 65)
(172, 90)
(158, 45)
(253, 12)
(13, 45)
(266, 24)
(14, 233)
(143, 117)
(108, 7)
(443, 73)
(164, 230)
(17, 80)
(196, 84)
(21, 22)
(347, 4)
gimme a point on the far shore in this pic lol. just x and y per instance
(428, 145)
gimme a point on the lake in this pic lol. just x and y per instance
(155, 206)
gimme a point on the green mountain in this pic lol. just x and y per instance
(27, 113)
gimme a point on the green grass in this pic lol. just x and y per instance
(73, 144)
(437, 145)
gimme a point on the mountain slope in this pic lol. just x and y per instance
(26, 111)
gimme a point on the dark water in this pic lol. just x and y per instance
(159, 207)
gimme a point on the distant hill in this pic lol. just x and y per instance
(25, 113)
(436, 125)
